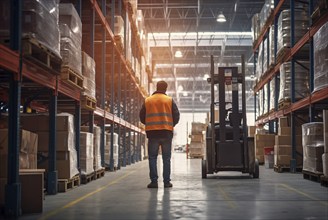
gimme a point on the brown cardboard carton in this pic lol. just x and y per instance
(64, 140)
(197, 138)
(251, 131)
(260, 158)
(283, 122)
(197, 128)
(284, 131)
(286, 140)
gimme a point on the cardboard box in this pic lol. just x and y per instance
(284, 131)
(251, 131)
(286, 140)
(32, 187)
(313, 151)
(197, 128)
(282, 160)
(259, 151)
(283, 122)
(197, 138)
(260, 158)
(64, 140)
(286, 149)
(196, 145)
(65, 122)
(314, 165)
(269, 138)
(66, 164)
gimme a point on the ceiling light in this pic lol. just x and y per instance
(185, 94)
(178, 54)
(221, 18)
(206, 76)
(180, 88)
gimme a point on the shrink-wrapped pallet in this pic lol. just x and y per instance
(70, 36)
(301, 21)
(96, 145)
(272, 94)
(86, 153)
(301, 81)
(271, 47)
(255, 26)
(40, 21)
(89, 75)
(321, 58)
(313, 147)
(65, 139)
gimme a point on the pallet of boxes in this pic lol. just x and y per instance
(197, 144)
(108, 151)
(313, 148)
(283, 147)
(324, 177)
(97, 170)
(262, 141)
(66, 155)
(31, 178)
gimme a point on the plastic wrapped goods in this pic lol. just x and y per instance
(301, 27)
(70, 36)
(265, 99)
(89, 74)
(259, 63)
(86, 152)
(96, 145)
(40, 21)
(265, 56)
(256, 26)
(271, 46)
(321, 58)
(313, 146)
(301, 80)
(272, 93)
(265, 12)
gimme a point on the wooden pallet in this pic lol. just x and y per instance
(282, 53)
(100, 173)
(40, 54)
(67, 184)
(283, 104)
(284, 168)
(311, 176)
(73, 78)
(86, 178)
(324, 181)
(88, 103)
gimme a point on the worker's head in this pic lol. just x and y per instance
(161, 86)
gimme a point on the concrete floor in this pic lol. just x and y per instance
(123, 195)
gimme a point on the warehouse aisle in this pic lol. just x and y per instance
(123, 195)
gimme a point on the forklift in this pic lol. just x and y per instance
(227, 147)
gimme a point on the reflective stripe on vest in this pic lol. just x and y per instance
(159, 112)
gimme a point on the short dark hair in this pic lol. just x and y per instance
(161, 86)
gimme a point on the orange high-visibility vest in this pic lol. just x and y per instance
(159, 112)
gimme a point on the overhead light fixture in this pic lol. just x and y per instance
(178, 54)
(185, 94)
(221, 18)
(180, 88)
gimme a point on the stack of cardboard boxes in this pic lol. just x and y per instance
(262, 141)
(197, 144)
(283, 148)
(27, 156)
(65, 142)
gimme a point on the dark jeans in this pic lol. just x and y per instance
(153, 146)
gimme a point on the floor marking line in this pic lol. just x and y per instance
(56, 211)
(231, 203)
(304, 194)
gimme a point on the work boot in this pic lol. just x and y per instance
(168, 185)
(152, 185)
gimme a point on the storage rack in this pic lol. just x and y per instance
(316, 99)
(23, 79)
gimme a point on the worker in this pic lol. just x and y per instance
(160, 114)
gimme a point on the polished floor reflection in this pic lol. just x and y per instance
(227, 195)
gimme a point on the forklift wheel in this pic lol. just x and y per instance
(204, 169)
(256, 173)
